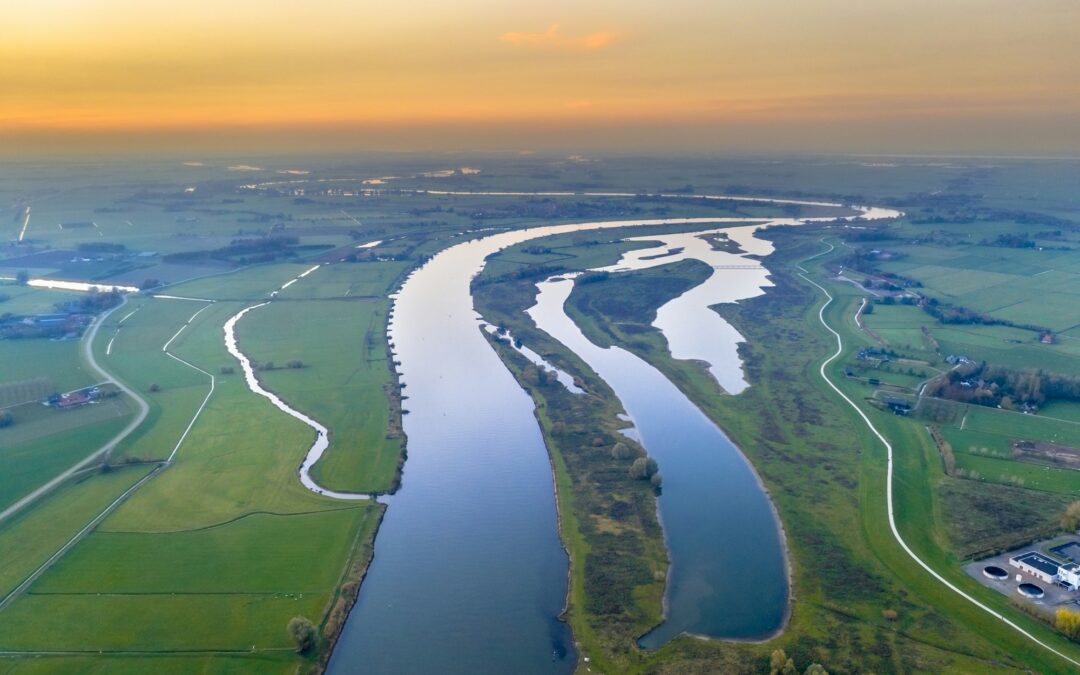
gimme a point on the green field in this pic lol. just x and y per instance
(59, 361)
(33, 536)
(343, 382)
(31, 464)
(200, 568)
(226, 504)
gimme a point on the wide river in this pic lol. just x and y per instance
(469, 574)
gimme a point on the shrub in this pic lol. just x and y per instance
(155, 388)
(302, 632)
(1070, 519)
(621, 451)
(1068, 622)
(227, 370)
(643, 468)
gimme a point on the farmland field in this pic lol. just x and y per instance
(201, 567)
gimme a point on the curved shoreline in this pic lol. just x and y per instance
(500, 240)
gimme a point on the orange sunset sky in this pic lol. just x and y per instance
(975, 76)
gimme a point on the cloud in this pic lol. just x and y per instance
(578, 105)
(554, 38)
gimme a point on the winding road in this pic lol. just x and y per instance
(103, 451)
(889, 473)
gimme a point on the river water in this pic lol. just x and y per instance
(728, 574)
(692, 329)
(469, 575)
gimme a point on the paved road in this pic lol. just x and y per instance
(103, 451)
(889, 475)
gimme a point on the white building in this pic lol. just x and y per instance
(1037, 565)
(1069, 575)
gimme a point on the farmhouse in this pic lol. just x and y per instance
(1037, 565)
(73, 400)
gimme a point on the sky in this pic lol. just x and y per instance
(874, 76)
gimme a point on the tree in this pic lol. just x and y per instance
(5, 419)
(777, 661)
(780, 664)
(22, 277)
(155, 388)
(621, 451)
(302, 632)
(815, 669)
(643, 468)
(657, 480)
(1068, 622)
(1070, 520)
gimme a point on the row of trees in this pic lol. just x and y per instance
(991, 385)
(781, 664)
(948, 313)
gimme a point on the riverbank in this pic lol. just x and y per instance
(802, 448)
(348, 590)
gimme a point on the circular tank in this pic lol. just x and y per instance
(1030, 590)
(996, 573)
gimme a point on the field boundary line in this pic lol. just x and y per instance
(213, 380)
(44, 567)
(889, 473)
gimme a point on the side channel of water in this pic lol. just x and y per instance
(728, 576)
